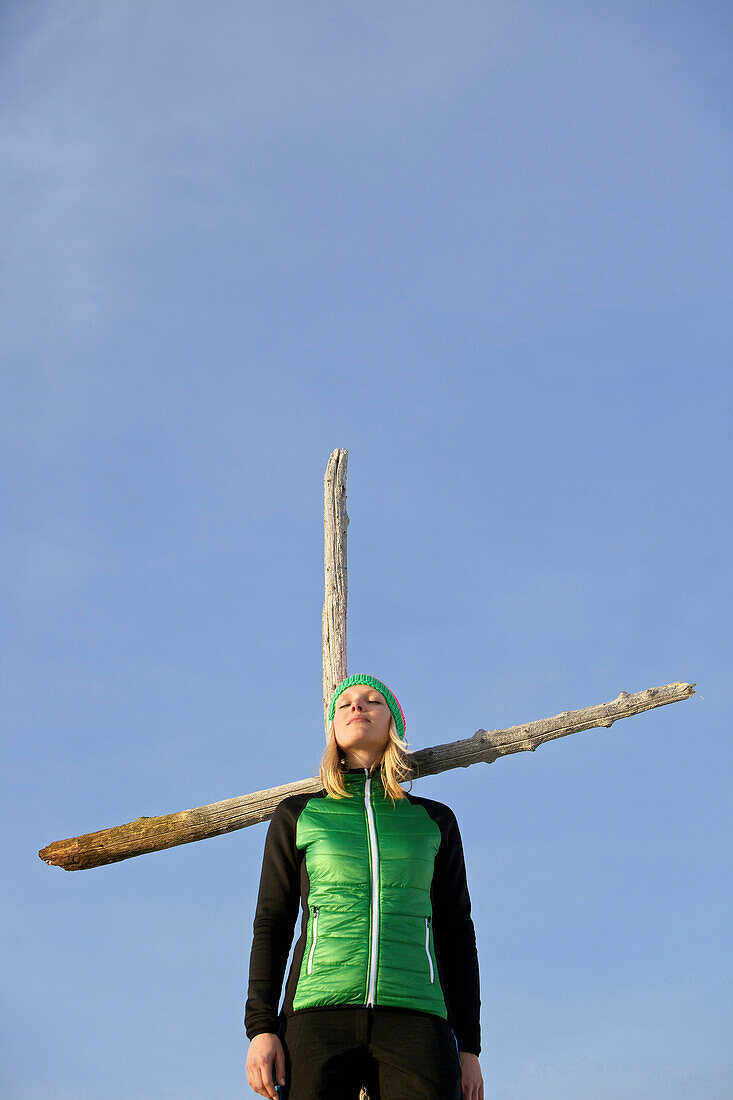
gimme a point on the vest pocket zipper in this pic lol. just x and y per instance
(427, 946)
(313, 944)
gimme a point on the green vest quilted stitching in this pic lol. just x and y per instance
(370, 866)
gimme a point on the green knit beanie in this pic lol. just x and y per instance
(390, 699)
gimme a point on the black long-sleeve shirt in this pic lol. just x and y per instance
(284, 884)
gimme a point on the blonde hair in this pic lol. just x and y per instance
(393, 766)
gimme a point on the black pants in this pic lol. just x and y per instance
(396, 1054)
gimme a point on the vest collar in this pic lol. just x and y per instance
(356, 776)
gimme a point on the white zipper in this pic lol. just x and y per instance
(427, 946)
(313, 945)
(371, 991)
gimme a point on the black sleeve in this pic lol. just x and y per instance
(277, 910)
(455, 939)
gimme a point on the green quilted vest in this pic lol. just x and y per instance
(370, 866)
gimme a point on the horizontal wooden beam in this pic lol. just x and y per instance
(153, 834)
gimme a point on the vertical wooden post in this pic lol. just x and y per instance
(335, 522)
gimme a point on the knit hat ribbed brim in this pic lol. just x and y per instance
(390, 699)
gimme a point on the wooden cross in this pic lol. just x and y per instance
(153, 834)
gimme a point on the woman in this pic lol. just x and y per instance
(383, 989)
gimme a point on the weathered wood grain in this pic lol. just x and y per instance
(335, 522)
(153, 834)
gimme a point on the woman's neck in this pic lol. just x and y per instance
(356, 766)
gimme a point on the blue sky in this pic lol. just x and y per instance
(486, 249)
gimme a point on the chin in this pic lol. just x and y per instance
(371, 744)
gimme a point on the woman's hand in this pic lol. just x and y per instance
(471, 1080)
(264, 1050)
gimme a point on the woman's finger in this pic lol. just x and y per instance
(266, 1088)
(256, 1082)
(280, 1065)
(253, 1078)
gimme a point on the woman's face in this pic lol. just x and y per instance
(361, 725)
